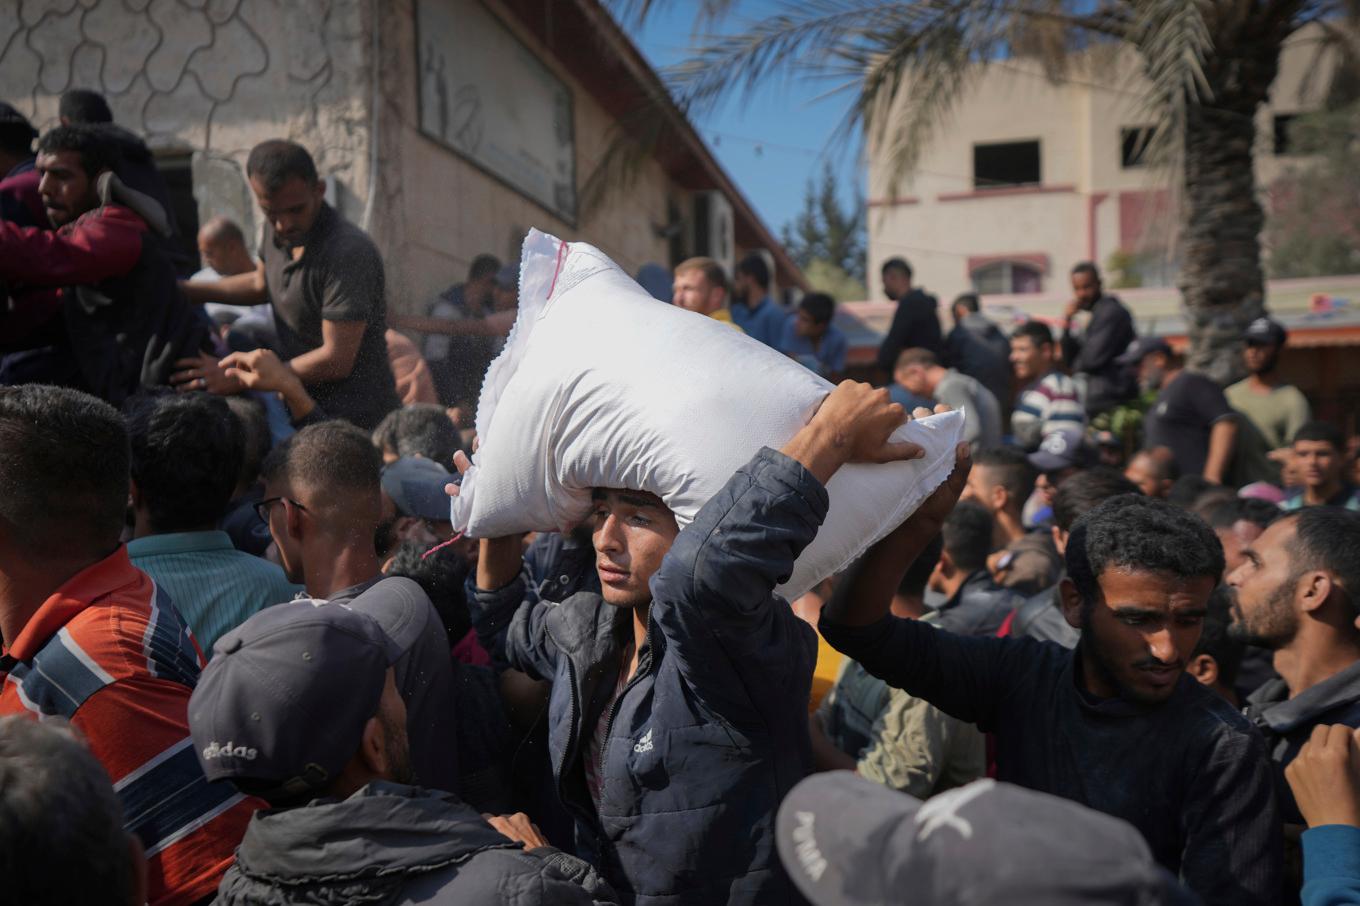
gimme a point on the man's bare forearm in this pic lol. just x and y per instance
(242, 289)
(1222, 438)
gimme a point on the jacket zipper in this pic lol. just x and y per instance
(614, 707)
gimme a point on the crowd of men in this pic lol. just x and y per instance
(1091, 667)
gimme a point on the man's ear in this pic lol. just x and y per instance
(945, 567)
(1001, 498)
(1312, 590)
(373, 748)
(1059, 540)
(1204, 668)
(1071, 604)
(134, 495)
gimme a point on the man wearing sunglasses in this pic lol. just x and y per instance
(322, 502)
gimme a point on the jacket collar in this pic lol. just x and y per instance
(1271, 705)
(587, 630)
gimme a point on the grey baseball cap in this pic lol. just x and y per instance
(847, 841)
(416, 486)
(1142, 347)
(1064, 448)
(281, 707)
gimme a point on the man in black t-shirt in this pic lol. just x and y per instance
(1190, 417)
(915, 324)
(324, 278)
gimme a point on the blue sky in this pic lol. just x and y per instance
(772, 145)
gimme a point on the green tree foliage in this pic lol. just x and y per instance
(1314, 224)
(827, 233)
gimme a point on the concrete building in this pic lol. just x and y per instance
(1029, 175)
(446, 128)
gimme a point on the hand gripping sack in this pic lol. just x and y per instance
(601, 385)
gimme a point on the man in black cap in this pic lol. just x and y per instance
(1116, 725)
(20, 202)
(1061, 454)
(847, 843)
(300, 707)
(1190, 416)
(1278, 410)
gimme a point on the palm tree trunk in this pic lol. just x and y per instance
(1221, 278)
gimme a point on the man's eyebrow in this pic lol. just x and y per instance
(1133, 610)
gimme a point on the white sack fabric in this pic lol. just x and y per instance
(600, 385)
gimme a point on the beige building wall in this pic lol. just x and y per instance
(207, 80)
(1086, 205)
(442, 210)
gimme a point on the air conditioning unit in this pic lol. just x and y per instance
(714, 233)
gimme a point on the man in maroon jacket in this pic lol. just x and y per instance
(119, 321)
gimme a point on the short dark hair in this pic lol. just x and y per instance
(1217, 642)
(967, 535)
(16, 137)
(1328, 537)
(1012, 470)
(754, 266)
(425, 429)
(1258, 512)
(1223, 514)
(897, 264)
(276, 161)
(819, 306)
(186, 458)
(483, 266)
(96, 153)
(1084, 491)
(1321, 431)
(1142, 534)
(255, 436)
(442, 573)
(80, 105)
(61, 824)
(330, 454)
(1086, 267)
(63, 470)
(913, 584)
(1184, 491)
(968, 301)
(1037, 331)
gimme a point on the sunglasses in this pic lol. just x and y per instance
(262, 508)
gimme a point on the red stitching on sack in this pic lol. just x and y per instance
(561, 256)
(440, 547)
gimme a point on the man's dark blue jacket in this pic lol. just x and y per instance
(711, 733)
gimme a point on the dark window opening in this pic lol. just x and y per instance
(1134, 143)
(1284, 143)
(1008, 164)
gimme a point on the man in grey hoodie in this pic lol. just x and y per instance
(300, 707)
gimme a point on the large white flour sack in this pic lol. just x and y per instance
(600, 385)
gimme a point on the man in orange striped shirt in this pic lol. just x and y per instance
(90, 638)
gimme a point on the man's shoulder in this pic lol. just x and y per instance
(347, 242)
(1210, 721)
